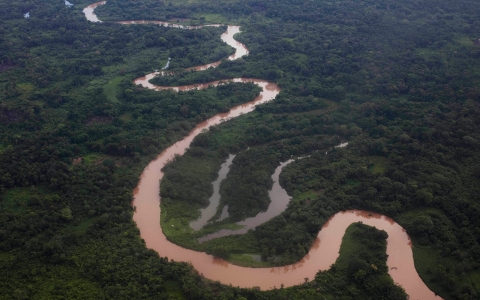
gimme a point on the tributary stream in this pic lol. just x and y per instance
(323, 252)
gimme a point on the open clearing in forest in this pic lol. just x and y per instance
(111, 89)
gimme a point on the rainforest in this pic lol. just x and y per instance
(397, 80)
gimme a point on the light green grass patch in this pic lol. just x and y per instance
(300, 58)
(352, 183)
(234, 245)
(111, 89)
(26, 89)
(214, 227)
(434, 54)
(92, 158)
(212, 19)
(464, 41)
(175, 227)
(307, 195)
(247, 260)
(82, 226)
(379, 163)
(147, 60)
(126, 117)
(176, 217)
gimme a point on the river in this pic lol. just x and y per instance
(279, 201)
(323, 252)
(208, 212)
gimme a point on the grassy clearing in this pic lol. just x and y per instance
(176, 217)
(175, 226)
(352, 184)
(179, 213)
(300, 58)
(248, 260)
(236, 246)
(92, 158)
(464, 41)
(82, 226)
(213, 19)
(310, 194)
(378, 164)
(174, 289)
(16, 200)
(126, 117)
(111, 89)
(209, 228)
(427, 53)
(142, 60)
(26, 90)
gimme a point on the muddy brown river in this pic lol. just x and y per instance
(324, 250)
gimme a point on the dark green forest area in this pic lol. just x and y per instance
(398, 80)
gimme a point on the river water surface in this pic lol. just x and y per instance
(279, 201)
(323, 252)
(208, 212)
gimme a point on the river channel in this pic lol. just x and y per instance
(324, 250)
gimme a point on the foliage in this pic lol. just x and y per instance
(361, 270)
(398, 80)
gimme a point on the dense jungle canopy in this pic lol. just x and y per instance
(399, 80)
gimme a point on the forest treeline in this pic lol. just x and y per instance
(398, 80)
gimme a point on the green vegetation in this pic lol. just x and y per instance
(440, 271)
(15, 200)
(111, 89)
(398, 80)
(362, 261)
(249, 260)
(377, 164)
(174, 290)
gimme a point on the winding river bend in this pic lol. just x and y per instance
(323, 252)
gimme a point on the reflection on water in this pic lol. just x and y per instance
(220, 262)
(316, 242)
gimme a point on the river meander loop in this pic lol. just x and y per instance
(324, 250)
